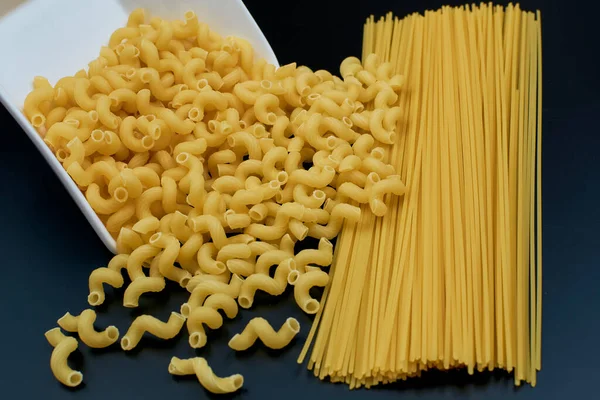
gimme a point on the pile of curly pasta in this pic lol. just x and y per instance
(207, 167)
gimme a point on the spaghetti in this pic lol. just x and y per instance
(451, 276)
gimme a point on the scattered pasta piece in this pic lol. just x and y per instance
(205, 374)
(259, 328)
(302, 285)
(147, 323)
(63, 347)
(83, 324)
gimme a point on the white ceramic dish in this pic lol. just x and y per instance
(56, 38)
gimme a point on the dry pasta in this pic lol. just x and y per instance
(302, 284)
(83, 324)
(274, 286)
(450, 277)
(147, 323)
(259, 328)
(208, 314)
(195, 157)
(63, 347)
(205, 374)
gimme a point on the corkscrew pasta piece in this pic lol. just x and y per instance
(83, 324)
(147, 323)
(166, 265)
(271, 257)
(140, 283)
(206, 288)
(275, 231)
(63, 347)
(302, 285)
(323, 256)
(274, 286)
(110, 275)
(233, 251)
(207, 378)
(207, 261)
(199, 317)
(209, 224)
(259, 328)
(317, 179)
(141, 286)
(308, 197)
(208, 314)
(339, 213)
(392, 184)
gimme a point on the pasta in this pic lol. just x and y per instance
(323, 256)
(208, 166)
(302, 284)
(259, 328)
(63, 347)
(147, 323)
(110, 275)
(206, 288)
(83, 324)
(449, 277)
(208, 314)
(205, 374)
(274, 286)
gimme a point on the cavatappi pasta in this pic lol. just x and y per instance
(208, 166)
(207, 378)
(63, 347)
(147, 323)
(259, 328)
(83, 324)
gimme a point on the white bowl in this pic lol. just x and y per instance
(56, 38)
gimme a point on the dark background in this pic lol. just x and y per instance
(48, 249)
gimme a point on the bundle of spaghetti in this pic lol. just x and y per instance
(451, 276)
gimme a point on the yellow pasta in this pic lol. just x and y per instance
(302, 284)
(205, 375)
(195, 155)
(449, 277)
(323, 256)
(279, 227)
(208, 314)
(339, 213)
(83, 324)
(274, 286)
(147, 323)
(259, 328)
(110, 275)
(202, 290)
(166, 264)
(63, 347)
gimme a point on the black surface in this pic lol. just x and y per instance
(48, 249)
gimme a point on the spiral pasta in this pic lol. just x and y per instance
(207, 378)
(208, 166)
(302, 285)
(274, 286)
(259, 328)
(207, 288)
(208, 314)
(83, 324)
(63, 347)
(110, 275)
(323, 256)
(147, 323)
